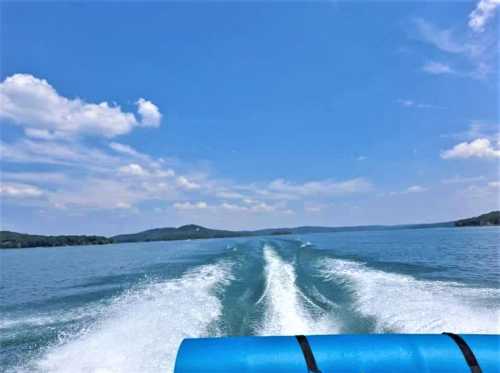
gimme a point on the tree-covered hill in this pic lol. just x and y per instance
(184, 232)
(491, 218)
(17, 240)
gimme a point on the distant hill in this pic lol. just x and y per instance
(192, 231)
(9, 240)
(199, 232)
(313, 229)
(491, 218)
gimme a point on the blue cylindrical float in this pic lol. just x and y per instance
(341, 353)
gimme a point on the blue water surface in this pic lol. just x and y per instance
(126, 307)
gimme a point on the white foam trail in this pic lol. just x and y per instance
(402, 303)
(141, 330)
(288, 310)
(46, 319)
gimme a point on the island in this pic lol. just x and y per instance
(13, 240)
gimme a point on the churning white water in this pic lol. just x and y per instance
(142, 329)
(402, 303)
(288, 310)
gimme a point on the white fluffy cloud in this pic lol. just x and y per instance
(149, 112)
(484, 10)
(133, 169)
(43, 113)
(19, 190)
(85, 178)
(479, 148)
(184, 183)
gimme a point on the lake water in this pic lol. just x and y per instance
(126, 307)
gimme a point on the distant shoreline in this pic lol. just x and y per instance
(14, 240)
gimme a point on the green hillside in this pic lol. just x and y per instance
(10, 240)
(18, 240)
(491, 218)
(190, 231)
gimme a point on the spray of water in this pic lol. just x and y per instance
(142, 329)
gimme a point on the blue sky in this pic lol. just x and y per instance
(118, 117)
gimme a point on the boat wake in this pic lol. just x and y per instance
(288, 310)
(142, 329)
(401, 303)
(288, 290)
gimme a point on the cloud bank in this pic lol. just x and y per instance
(35, 105)
(479, 148)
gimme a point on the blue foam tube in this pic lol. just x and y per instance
(338, 353)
